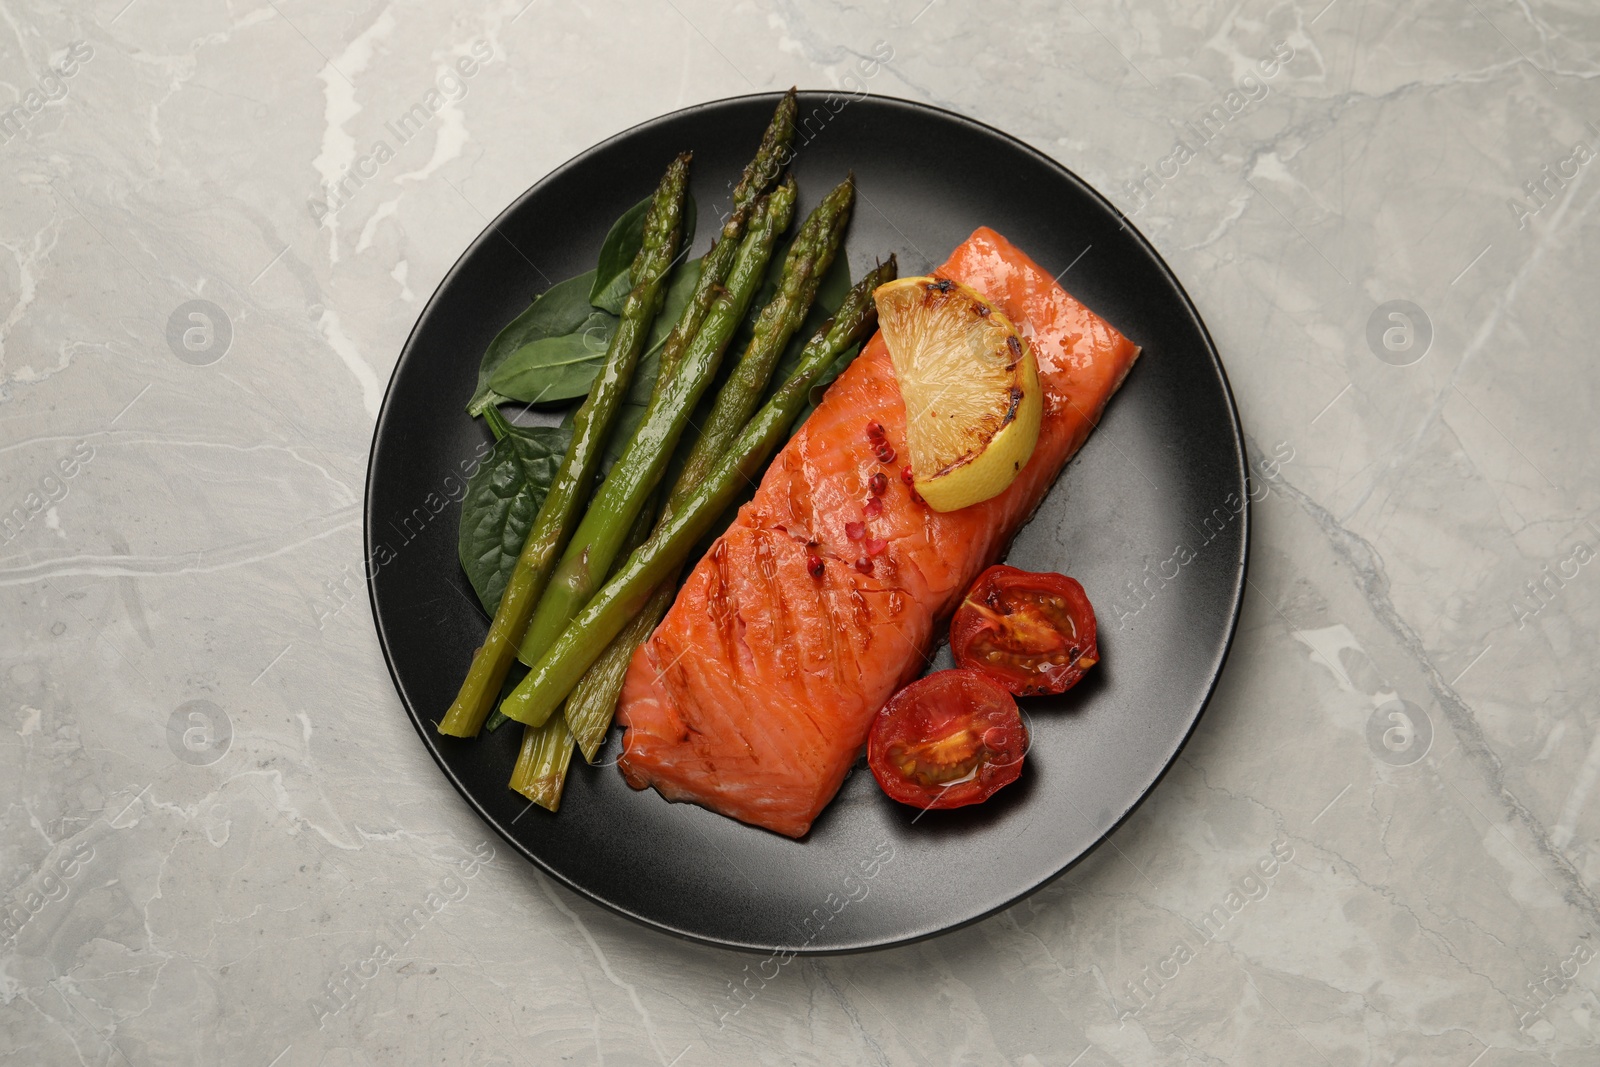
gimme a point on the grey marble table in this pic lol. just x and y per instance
(1382, 845)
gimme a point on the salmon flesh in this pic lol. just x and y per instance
(755, 694)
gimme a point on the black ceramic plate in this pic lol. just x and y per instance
(1151, 517)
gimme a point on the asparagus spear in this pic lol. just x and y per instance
(554, 675)
(594, 699)
(590, 707)
(808, 260)
(758, 176)
(598, 538)
(542, 761)
(663, 226)
(546, 750)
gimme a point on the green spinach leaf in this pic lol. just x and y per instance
(613, 278)
(503, 497)
(557, 368)
(622, 243)
(560, 368)
(561, 309)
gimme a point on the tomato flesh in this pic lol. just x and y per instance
(1031, 633)
(947, 740)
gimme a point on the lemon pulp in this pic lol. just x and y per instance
(970, 386)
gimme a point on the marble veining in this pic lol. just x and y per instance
(219, 840)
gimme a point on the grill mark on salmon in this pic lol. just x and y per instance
(754, 695)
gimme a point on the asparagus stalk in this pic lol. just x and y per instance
(808, 260)
(758, 176)
(594, 699)
(559, 669)
(598, 538)
(542, 761)
(763, 170)
(553, 525)
(543, 758)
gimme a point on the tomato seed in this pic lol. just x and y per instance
(878, 483)
(814, 566)
(872, 508)
(874, 431)
(885, 453)
(864, 565)
(905, 474)
(855, 530)
(876, 546)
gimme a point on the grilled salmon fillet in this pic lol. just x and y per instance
(755, 694)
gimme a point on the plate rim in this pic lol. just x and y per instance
(420, 723)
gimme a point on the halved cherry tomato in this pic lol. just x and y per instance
(947, 740)
(1032, 633)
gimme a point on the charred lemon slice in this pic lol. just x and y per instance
(970, 386)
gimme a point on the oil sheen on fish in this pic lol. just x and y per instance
(755, 694)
